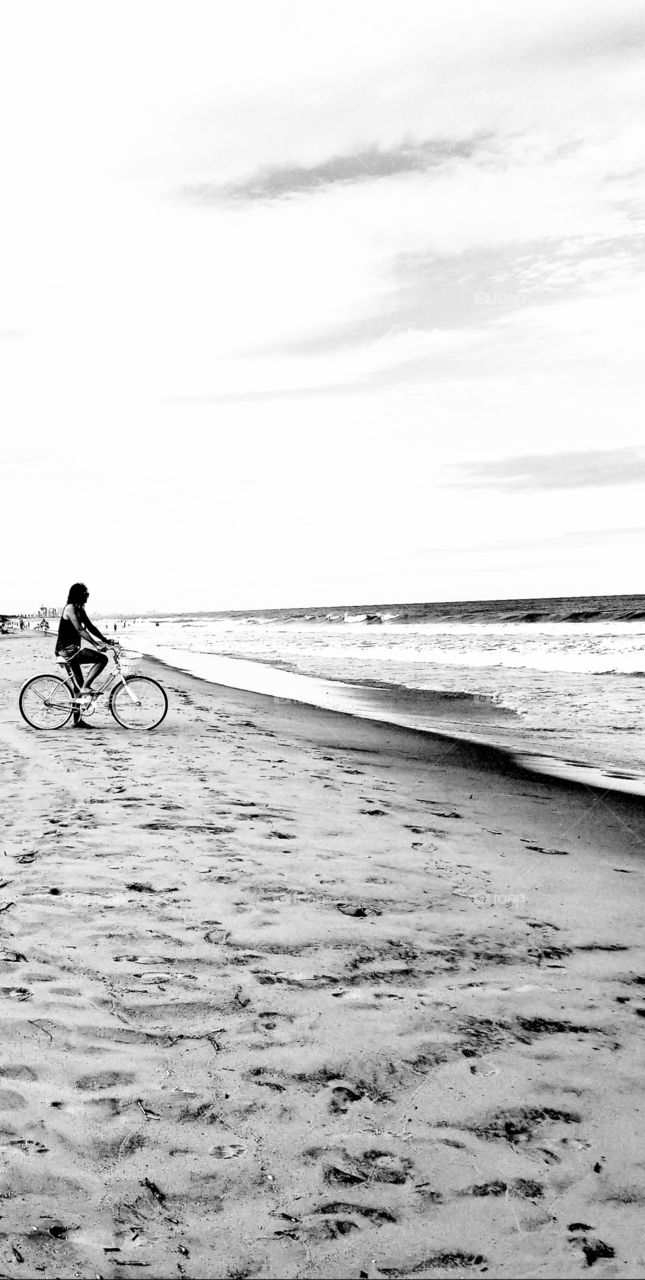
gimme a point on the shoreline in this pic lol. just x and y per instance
(287, 993)
(558, 769)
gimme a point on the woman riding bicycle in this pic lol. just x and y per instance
(73, 627)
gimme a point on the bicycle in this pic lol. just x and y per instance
(136, 702)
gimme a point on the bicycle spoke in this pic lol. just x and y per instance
(45, 702)
(139, 703)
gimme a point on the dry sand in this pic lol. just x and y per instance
(288, 994)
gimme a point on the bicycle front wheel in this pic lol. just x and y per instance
(45, 702)
(138, 703)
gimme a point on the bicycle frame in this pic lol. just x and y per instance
(112, 678)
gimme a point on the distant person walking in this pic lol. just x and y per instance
(75, 626)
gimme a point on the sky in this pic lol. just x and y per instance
(308, 302)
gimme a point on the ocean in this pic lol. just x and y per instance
(558, 683)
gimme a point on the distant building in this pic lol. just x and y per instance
(46, 611)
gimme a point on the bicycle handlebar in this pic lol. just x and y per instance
(116, 649)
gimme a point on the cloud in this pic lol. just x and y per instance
(601, 468)
(271, 393)
(448, 291)
(368, 165)
(477, 287)
(565, 538)
(364, 383)
(616, 37)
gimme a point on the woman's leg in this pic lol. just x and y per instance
(77, 672)
(98, 660)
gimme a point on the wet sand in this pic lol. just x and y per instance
(286, 993)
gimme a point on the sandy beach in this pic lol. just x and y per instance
(285, 993)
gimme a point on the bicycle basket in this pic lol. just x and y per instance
(129, 662)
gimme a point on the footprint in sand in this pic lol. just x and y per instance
(348, 1216)
(373, 1165)
(520, 1124)
(17, 1073)
(341, 1097)
(10, 1100)
(105, 1080)
(555, 853)
(337, 1218)
(525, 1188)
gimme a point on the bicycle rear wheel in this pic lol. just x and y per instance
(138, 703)
(45, 702)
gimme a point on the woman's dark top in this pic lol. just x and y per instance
(68, 636)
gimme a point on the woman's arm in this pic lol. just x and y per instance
(85, 627)
(91, 629)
